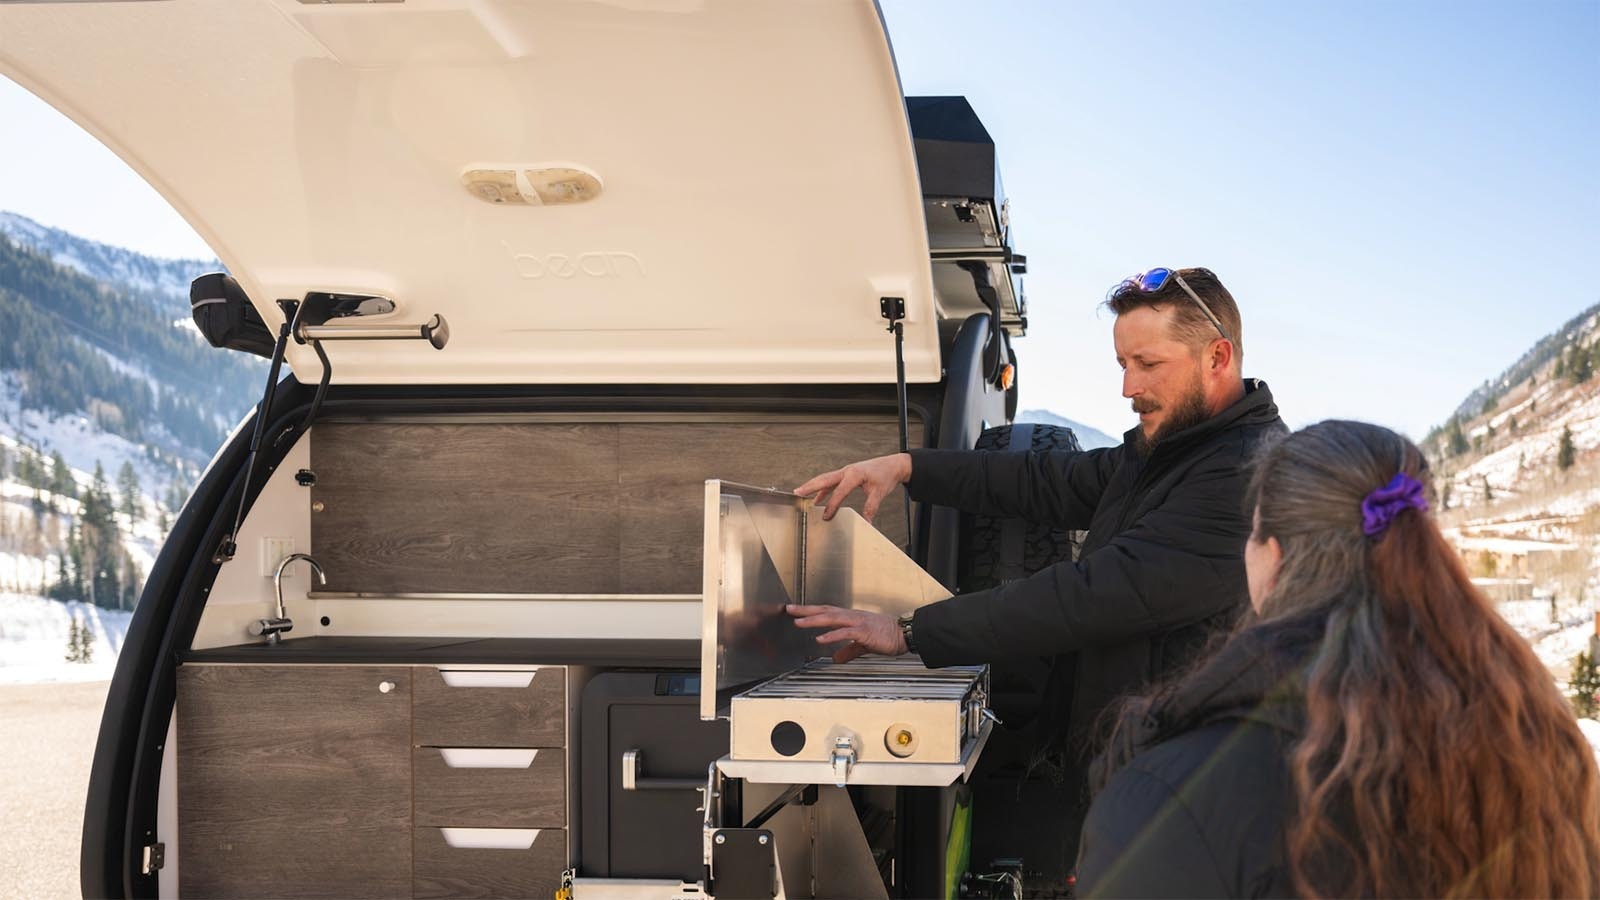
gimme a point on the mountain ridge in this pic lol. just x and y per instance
(162, 281)
(1089, 437)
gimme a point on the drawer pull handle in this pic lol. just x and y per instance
(487, 758)
(633, 764)
(385, 687)
(468, 678)
(490, 838)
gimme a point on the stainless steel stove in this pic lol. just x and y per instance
(798, 719)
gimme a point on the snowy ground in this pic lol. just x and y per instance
(33, 640)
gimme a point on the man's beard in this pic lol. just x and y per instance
(1190, 410)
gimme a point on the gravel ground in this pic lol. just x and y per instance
(47, 735)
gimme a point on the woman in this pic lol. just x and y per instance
(1376, 729)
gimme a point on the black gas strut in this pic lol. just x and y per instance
(894, 310)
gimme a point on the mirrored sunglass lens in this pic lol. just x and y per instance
(1154, 279)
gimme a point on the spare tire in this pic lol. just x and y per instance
(996, 550)
(1020, 811)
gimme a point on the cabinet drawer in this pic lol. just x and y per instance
(516, 863)
(474, 708)
(473, 788)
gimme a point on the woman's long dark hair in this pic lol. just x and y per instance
(1438, 758)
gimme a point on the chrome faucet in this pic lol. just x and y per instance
(272, 629)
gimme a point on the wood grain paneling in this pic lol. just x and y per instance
(445, 871)
(535, 797)
(294, 781)
(663, 470)
(483, 507)
(552, 508)
(534, 716)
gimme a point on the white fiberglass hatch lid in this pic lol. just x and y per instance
(589, 191)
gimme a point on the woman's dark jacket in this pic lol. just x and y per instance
(1203, 807)
(1162, 562)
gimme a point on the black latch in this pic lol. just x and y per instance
(305, 478)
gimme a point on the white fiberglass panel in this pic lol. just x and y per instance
(694, 191)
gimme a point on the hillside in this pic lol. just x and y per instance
(164, 283)
(1517, 470)
(110, 404)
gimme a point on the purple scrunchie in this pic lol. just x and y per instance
(1381, 506)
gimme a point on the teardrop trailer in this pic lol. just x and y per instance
(555, 285)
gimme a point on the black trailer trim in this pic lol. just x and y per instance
(113, 835)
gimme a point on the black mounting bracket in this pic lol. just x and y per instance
(893, 309)
(321, 307)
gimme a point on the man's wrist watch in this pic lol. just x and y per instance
(905, 632)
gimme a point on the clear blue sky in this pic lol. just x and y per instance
(1403, 196)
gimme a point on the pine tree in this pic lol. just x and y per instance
(80, 641)
(86, 641)
(61, 483)
(128, 490)
(31, 473)
(1566, 453)
(1585, 684)
(101, 544)
(74, 640)
(1457, 442)
(1581, 367)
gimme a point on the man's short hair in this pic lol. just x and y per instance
(1189, 323)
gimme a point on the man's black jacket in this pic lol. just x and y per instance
(1163, 558)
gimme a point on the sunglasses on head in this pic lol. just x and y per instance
(1154, 280)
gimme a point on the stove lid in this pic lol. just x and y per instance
(767, 548)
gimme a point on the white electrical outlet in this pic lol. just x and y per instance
(273, 550)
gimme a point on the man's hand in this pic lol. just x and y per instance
(879, 476)
(868, 632)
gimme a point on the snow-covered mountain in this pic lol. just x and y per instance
(1502, 450)
(166, 280)
(1517, 470)
(110, 403)
(1088, 438)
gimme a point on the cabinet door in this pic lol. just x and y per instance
(294, 781)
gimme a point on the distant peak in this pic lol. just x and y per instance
(1088, 437)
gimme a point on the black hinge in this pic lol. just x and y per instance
(155, 856)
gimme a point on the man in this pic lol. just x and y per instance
(1163, 559)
